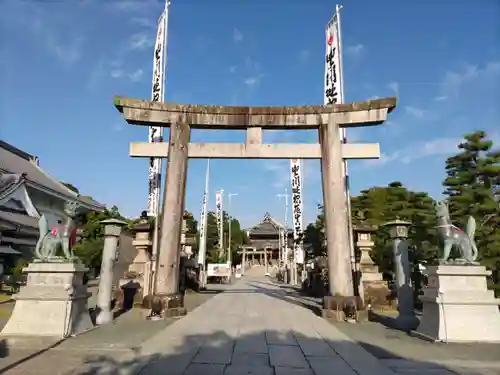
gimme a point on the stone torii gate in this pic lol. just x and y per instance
(327, 119)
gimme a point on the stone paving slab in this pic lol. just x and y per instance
(118, 340)
(450, 367)
(252, 329)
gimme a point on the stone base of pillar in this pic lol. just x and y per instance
(202, 280)
(52, 303)
(342, 308)
(458, 307)
(167, 306)
(376, 294)
(147, 302)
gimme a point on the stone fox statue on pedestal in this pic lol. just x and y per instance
(454, 236)
(63, 237)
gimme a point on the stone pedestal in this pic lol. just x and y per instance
(52, 303)
(142, 265)
(341, 308)
(167, 306)
(458, 307)
(375, 289)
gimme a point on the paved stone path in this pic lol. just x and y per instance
(252, 328)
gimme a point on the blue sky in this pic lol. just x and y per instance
(61, 63)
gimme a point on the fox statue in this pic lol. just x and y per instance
(453, 236)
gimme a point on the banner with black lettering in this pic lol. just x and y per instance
(333, 77)
(298, 232)
(220, 220)
(156, 132)
(203, 220)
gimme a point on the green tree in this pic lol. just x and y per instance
(382, 204)
(379, 205)
(238, 238)
(90, 247)
(472, 185)
(314, 235)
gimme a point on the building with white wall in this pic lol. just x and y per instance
(26, 193)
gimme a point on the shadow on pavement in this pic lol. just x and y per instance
(260, 352)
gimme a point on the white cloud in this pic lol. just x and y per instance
(237, 35)
(253, 81)
(418, 150)
(440, 98)
(136, 75)
(116, 73)
(279, 169)
(132, 5)
(394, 86)
(144, 22)
(454, 81)
(69, 52)
(414, 111)
(140, 41)
(251, 64)
(355, 50)
(68, 49)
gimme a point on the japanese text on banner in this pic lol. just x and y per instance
(156, 133)
(298, 234)
(218, 212)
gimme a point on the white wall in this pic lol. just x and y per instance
(51, 207)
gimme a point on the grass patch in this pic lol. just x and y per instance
(5, 297)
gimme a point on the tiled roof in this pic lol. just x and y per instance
(267, 226)
(14, 160)
(9, 183)
(19, 219)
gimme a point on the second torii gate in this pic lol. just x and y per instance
(327, 119)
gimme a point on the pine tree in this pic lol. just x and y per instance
(378, 205)
(472, 186)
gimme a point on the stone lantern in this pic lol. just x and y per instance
(142, 263)
(398, 231)
(112, 231)
(372, 288)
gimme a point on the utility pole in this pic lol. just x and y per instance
(285, 239)
(229, 255)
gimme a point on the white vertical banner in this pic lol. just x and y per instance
(333, 76)
(202, 251)
(297, 206)
(284, 239)
(156, 132)
(334, 94)
(220, 217)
